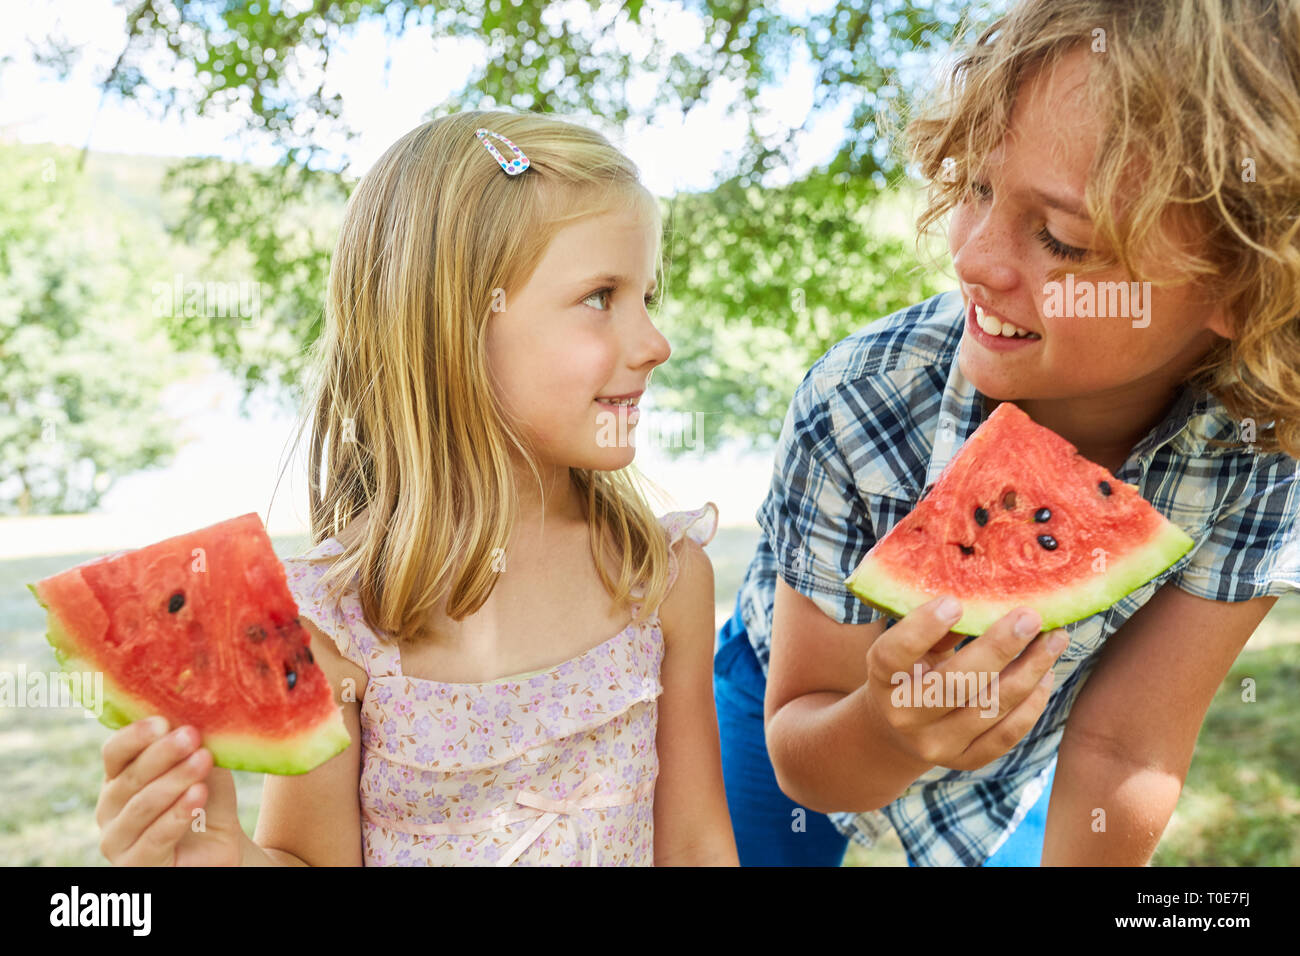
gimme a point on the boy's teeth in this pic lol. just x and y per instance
(995, 326)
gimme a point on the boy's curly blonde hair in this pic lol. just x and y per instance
(1200, 106)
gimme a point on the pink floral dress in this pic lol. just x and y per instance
(553, 768)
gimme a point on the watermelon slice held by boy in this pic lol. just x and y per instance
(200, 628)
(1019, 518)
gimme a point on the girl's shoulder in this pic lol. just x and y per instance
(335, 614)
(687, 533)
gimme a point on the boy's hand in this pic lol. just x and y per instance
(970, 736)
(153, 781)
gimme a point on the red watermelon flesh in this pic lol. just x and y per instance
(200, 628)
(1019, 518)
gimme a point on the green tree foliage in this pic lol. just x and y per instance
(769, 267)
(82, 367)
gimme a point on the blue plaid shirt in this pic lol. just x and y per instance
(875, 420)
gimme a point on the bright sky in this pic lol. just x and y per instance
(232, 464)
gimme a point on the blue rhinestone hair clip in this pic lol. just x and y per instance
(513, 167)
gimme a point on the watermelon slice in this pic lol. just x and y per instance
(1019, 517)
(202, 629)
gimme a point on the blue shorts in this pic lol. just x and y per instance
(771, 829)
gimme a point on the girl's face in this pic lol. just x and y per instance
(577, 331)
(1017, 225)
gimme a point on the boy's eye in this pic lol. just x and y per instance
(982, 190)
(1059, 249)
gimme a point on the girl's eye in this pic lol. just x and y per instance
(1058, 248)
(602, 294)
(651, 300)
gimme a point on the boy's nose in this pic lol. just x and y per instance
(985, 259)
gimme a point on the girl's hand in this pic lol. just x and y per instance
(153, 781)
(970, 736)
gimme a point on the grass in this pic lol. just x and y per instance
(1237, 808)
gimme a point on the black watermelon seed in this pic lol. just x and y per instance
(1042, 514)
(965, 549)
(176, 603)
(291, 677)
(1047, 541)
(981, 517)
(1009, 500)
(256, 633)
(1105, 487)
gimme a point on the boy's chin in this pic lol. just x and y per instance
(1002, 385)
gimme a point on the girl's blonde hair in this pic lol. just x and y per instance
(1200, 106)
(404, 416)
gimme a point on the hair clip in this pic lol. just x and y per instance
(512, 167)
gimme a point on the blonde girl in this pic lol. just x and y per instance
(478, 537)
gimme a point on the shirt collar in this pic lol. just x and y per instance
(1195, 417)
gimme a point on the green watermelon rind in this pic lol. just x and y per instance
(877, 586)
(286, 756)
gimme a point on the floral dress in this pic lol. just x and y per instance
(553, 767)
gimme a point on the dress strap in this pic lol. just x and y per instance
(339, 618)
(699, 525)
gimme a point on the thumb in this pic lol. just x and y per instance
(221, 806)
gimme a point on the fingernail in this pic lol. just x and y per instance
(1027, 624)
(158, 726)
(949, 609)
(1056, 643)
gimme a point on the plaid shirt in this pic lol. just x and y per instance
(875, 420)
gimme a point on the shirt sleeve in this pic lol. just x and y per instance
(1253, 549)
(813, 516)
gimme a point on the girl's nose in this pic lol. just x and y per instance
(652, 348)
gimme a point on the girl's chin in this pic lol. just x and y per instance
(609, 459)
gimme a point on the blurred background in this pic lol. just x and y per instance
(175, 172)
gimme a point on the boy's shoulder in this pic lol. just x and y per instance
(915, 338)
(875, 398)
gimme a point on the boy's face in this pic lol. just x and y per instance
(1004, 240)
(579, 330)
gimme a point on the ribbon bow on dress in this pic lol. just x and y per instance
(544, 809)
(579, 801)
